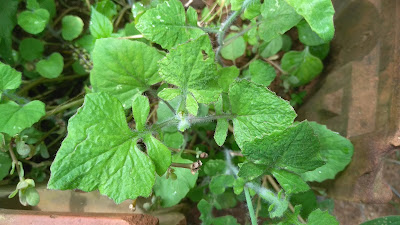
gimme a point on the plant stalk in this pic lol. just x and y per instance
(250, 206)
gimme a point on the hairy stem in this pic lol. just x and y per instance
(225, 27)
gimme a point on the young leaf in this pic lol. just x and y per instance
(172, 191)
(15, 118)
(191, 16)
(308, 36)
(34, 21)
(320, 51)
(268, 49)
(5, 162)
(51, 67)
(286, 43)
(205, 209)
(235, 48)
(318, 217)
(258, 111)
(31, 49)
(252, 10)
(124, 68)
(72, 27)
(226, 76)
(169, 93)
(318, 13)
(9, 78)
(303, 65)
(336, 149)
(32, 4)
(100, 152)
(164, 113)
(159, 153)
(221, 131)
(250, 171)
(307, 200)
(220, 182)
(290, 218)
(167, 25)
(294, 149)
(49, 5)
(262, 73)
(140, 111)
(278, 17)
(290, 182)
(107, 8)
(174, 140)
(191, 105)
(214, 167)
(100, 26)
(191, 67)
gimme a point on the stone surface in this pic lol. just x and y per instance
(28, 217)
(71, 201)
(359, 97)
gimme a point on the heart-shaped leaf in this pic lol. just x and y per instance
(34, 21)
(51, 67)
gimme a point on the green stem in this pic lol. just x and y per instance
(250, 206)
(154, 94)
(193, 120)
(78, 102)
(225, 27)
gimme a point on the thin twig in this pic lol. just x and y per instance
(78, 102)
(137, 36)
(275, 65)
(182, 165)
(37, 165)
(121, 14)
(188, 3)
(249, 62)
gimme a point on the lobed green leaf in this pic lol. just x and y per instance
(15, 118)
(124, 68)
(100, 152)
(167, 24)
(258, 111)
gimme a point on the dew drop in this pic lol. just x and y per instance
(158, 17)
(119, 87)
(319, 172)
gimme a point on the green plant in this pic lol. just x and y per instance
(146, 122)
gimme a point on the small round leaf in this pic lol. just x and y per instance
(72, 27)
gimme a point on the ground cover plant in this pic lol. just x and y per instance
(173, 103)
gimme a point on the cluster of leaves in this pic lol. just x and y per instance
(144, 127)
